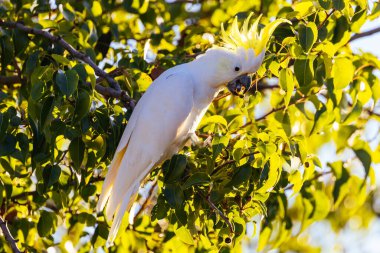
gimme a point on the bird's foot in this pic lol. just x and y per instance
(208, 141)
(197, 142)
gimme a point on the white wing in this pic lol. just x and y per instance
(154, 132)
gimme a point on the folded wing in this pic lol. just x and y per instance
(155, 131)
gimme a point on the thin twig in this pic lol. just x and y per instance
(8, 236)
(327, 17)
(363, 67)
(301, 100)
(364, 34)
(147, 199)
(221, 214)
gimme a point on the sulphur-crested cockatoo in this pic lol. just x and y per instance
(169, 112)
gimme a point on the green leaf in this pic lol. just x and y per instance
(174, 195)
(322, 205)
(342, 177)
(296, 179)
(46, 111)
(286, 80)
(68, 15)
(264, 238)
(60, 59)
(6, 52)
(67, 81)
(338, 4)
(96, 8)
(274, 173)
(184, 235)
(82, 105)
(174, 168)
(8, 145)
(61, 81)
(81, 70)
(218, 144)
(322, 35)
(45, 224)
(341, 32)
(31, 62)
(214, 119)
(365, 159)
(88, 191)
(160, 210)
(241, 175)
(7, 167)
(318, 123)
(143, 80)
(343, 72)
(76, 151)
(198, 178)
(4, 122)
(37, 90)
(302, 9)
(51, 174)
(307, 35)
(20, 40)
(353, 114)
(325, 4)
(72, 79)
(304, 71)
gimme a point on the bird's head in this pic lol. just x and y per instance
(243, 52)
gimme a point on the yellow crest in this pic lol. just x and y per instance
(249, 37)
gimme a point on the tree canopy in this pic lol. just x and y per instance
(72, 71)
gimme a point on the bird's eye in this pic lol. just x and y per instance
(237, 68)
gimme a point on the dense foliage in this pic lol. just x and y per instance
(58, 134)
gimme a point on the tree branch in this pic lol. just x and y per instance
(364, 34)
(8, 236)
(301, 100)
(59, 40)
(259, 88)
(9, 80)
(106, 91)
(221, 214)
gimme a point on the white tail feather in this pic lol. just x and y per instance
(110, 179)
(128, 200)
(121, 190)
(123, 184)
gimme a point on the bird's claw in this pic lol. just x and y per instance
(195, 141)
(208, 141)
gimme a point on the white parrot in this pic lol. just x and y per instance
(169, 112)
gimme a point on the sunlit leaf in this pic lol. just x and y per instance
(343, 72)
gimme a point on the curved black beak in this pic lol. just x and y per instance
(240, 84)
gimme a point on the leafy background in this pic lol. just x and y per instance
(266, 171)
